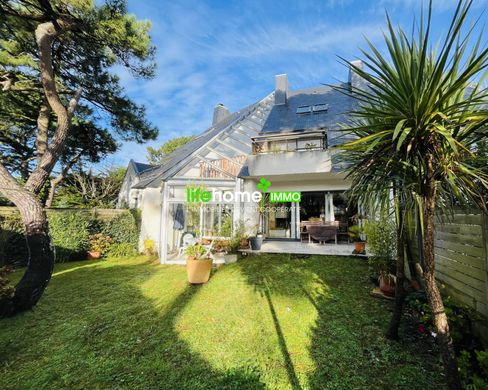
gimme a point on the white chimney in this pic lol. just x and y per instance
(356, 81)
(281, 89)
(220, 113)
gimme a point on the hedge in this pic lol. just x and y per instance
(69, 231)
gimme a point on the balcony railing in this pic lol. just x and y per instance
(281, 143)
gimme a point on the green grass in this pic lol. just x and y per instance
(265, 322)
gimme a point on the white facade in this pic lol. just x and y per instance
(233, 156)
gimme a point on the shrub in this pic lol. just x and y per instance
(150, 247)
(6, 291)
(238, 237)
(222, 246)
(226, 226)
(122, 229)
(124, 249)
(69, 233)
(100, 243)
(196, 252)
(381, 242)
(472, 359)
(13, 249)
(355, 232)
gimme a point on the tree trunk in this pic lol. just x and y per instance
(433, 294)
(42, 129)
(52, 192)
(62, 175)
(41, 256)
(392, 332)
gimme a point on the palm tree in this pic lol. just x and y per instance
(416, 127)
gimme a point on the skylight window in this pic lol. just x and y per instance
(320, 108)
(304, 110)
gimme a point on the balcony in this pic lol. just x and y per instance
(289, 142)
(289, 163)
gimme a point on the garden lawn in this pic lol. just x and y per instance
(269, 321)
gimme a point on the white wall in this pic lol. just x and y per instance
(150, 207)
(302, 162)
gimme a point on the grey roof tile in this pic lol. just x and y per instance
(284, 119)
(140, 167)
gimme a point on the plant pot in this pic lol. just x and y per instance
(230, 258)
(94, 255)
(198, 271)
(387, 285)
(256, 243)
(219, 258)
(244, 244)
(359, 247)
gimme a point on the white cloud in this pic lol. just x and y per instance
(230, 53)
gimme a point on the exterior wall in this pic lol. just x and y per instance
(312, 161)
(128, 197)
(150, 206)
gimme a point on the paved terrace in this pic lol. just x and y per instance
(297, 247)
(294, 247)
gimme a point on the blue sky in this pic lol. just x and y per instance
(228, 52)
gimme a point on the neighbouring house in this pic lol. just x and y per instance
(287, 139)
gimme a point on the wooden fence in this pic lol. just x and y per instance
(461, 254)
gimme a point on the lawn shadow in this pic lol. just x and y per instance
(347, 343)
(269, 277)
(128, 340)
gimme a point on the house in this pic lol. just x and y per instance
(286, 141)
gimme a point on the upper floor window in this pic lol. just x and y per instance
(317, 108)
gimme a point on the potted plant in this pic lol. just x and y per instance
(98, 244)
(355, 233)
(387, 283)
(382, 252)
(257, 240)
(198, 264)
(222, 251)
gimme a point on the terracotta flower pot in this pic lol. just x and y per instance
(244, 244)
(198, 271)
(387, 285)
(359, 246)
(93, 255)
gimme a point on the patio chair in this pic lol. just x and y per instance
(208, 248)
(187, 239)
(323, 233)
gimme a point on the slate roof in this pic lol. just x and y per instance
(140, 167)
(171, 163)
(284, 118)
